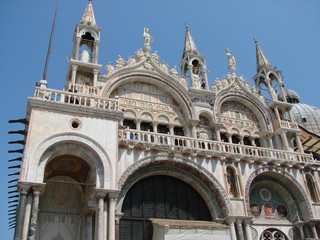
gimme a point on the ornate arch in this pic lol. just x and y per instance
(259, 110)
(72, 144)
(174, 89)
(184, 169)
(295, 190)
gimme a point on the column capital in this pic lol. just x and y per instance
(100, 192)
(89, 211)
(74, 67)
(113, 194)
(230, 219)
(24, 187)
(95, 71)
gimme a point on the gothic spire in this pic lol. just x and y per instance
(262, 61)
(189, 45)
(88, 15)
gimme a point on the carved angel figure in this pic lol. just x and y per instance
(109, 68)
(147, 36)
(174, 72)
(139, 55)
(120, 62)
(131, 60)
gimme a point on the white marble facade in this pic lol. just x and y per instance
(142, 127)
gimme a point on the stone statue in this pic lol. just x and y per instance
(155, 57)
(231, 62)
(183, 81)
(120, 62)
(131, 60)
(109, 68)
(147, 40)
(164, 66)
(139, 55)
(196, 81)
(147, 36)
(174, 72)
(85, 56)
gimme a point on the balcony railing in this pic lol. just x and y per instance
(208, 147)
(286, 124)
(80, 88)
(76, 99)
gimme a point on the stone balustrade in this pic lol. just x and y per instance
(286, 124)
(76, 99)
(80, 88)
(209, 148)
(239, 122)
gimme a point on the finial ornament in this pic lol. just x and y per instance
(147, 40)
(255, 40)
(186, 25)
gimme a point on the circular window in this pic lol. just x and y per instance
(265, 194)
(282, 211)
(255, 209)
(75, 124)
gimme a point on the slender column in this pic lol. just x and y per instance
(37, 190)
(314, 230)
(105, 216)
(206, 79)
(299, 225)
(270, 143)
(23, 189)
(138, 124)
(229, 138)
(118, 217)
(284, 140)
(247, 229)
(218, 137)
(191, 74)
(231, 221)
(112, 203)
(171, 129)
(239, 228)
(95, 77)
(277, 115)
(76, 49)
(26, 220)
(299, 144)
(74, 73)
(88, 223)
(100, 195)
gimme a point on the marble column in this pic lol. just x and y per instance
(314, 230)
(76, 49)
(118, 217)
(95, 77)
(89, 212)
(23, 189)
(26, 220)
(284, 140)
(112, 204)
(299, 225)
(298, 142)
(217, 132)
(247, 229)
(239, 228)
(231, 221)
(74, 74)
(37, 190)
(100, 195)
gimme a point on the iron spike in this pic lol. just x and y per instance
(16, 159)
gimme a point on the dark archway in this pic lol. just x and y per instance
(162, 197)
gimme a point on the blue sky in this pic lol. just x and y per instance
(288, 32)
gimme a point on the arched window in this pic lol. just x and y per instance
(232, 181)
(129, 124)
(273, 234)
(159, 197)
(312, 188)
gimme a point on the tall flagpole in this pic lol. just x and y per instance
(44, 76)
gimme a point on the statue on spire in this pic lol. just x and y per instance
(231, 63)
(147, 40)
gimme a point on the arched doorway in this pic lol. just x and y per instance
(162, 197)
(62, 205)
